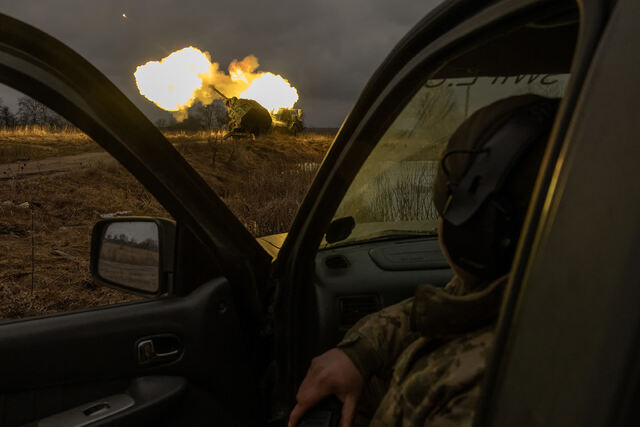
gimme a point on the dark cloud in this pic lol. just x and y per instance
(326, 49)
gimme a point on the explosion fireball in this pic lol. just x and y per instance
(172, 82)
(272, 92)
(187, 75)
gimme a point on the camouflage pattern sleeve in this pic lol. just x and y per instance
(376, 341)
(436, 383)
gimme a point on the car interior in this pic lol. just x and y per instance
(378, 247)
(382, 255)
(370, 241)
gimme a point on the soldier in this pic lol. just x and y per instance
(421, 361)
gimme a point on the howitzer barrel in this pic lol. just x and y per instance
(220, 93)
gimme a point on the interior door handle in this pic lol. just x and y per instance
(167, 354)
(159, 348)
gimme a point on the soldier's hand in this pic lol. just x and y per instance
(330, 373)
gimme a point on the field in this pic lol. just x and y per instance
(46, 218)
(129, 265)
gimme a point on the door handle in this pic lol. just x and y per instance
(159, 348)
(167, 354)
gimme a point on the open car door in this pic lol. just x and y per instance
(463, 56)
(189, 357)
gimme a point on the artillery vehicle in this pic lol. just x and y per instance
(246, 116)
(289, 119)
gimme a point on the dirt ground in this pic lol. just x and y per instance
(30, 143)
(46, 219)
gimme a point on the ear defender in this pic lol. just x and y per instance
(481, 224)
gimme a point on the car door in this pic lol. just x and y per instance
(90, 366)
(567, 350)
(455, 47)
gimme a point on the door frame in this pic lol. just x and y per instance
(394, 83)
(579, 352)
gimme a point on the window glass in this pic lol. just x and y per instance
(55, 184)
(391, 195)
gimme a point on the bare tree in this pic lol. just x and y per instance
(212, 116)
(30, 111)
(7, 118)
(220, 111)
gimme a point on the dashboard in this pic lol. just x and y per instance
(355, 280)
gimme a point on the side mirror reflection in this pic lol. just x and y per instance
(130, 255)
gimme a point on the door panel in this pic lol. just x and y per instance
(142, 402)
(570, 341)
(53, 364)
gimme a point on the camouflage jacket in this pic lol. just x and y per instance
(430, 351)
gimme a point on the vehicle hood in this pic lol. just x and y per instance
(272, 243)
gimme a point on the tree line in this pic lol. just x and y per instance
(30, 113)
(123, 239)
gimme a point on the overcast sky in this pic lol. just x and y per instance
(327, 49)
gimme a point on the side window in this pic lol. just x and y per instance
(382, 239)
(55, 184)
(392, 193)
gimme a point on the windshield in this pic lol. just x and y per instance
(392, 193)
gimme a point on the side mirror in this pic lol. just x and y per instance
(339, 229)
(134, 254)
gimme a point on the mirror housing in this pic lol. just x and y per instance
(339, 229)
(134, 254)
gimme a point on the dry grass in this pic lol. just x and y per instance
(263, 182)
(36, 142)
(39, 142)
(63, 215)
(178, 136)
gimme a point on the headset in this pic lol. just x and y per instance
(480, 225)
